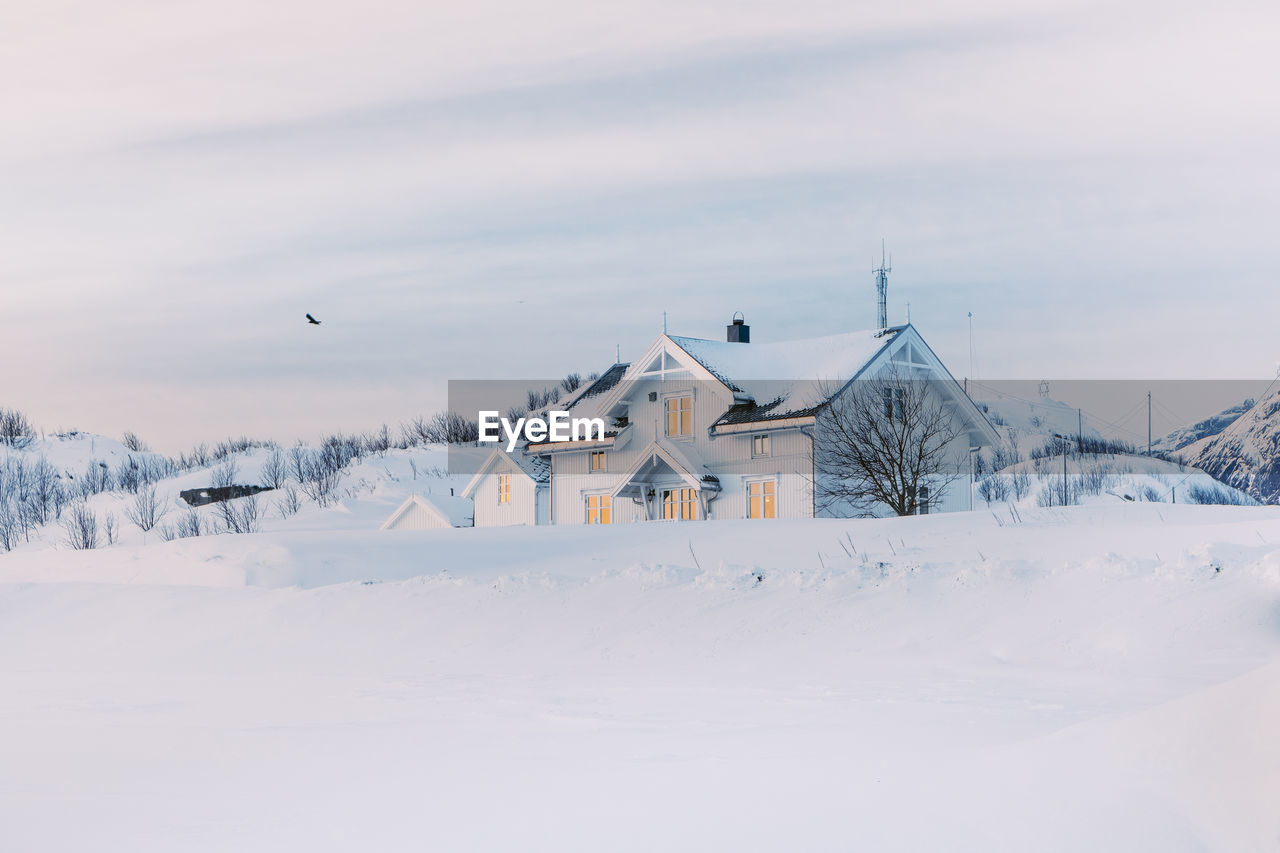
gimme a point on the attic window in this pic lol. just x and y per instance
(680, 415)
(894, 403)
(504, 488)
(598, 461)
(759, 446)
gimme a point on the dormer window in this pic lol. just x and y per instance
(680, 415)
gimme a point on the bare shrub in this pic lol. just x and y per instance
(132, 442)
(242, 515)
(190, 524)
(993, 488)
(15, 430)
(225, 474)
(81, 526)
(317, 473)
(275, 471)
(289, 502)
(1198, 494)
(442, 428)
(96, 479)
(147, 508)
(1097, 478)
(1020, 482)
(378, 442)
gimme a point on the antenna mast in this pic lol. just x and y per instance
(882, 289)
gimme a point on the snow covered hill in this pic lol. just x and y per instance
(364, 493)
(1246, 454)
(1211, 426)
(1101, 479)
(1088, 678)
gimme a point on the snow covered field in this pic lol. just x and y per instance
(1099, 677)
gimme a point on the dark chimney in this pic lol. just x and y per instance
(738, 332)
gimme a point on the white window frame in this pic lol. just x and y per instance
(504, 488)
(679, 503)
(666, 418)
(604, 462)
(604, 504)
(747, 483)
(768, 445)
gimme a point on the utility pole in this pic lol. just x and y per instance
(971, 373)
(1066, 442)
(1148, 423)
(1080, 430)
(1064, 473)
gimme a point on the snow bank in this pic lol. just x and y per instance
(1092, 678)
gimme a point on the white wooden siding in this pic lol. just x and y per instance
(521, 509)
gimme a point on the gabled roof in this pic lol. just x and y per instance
(450, 510)
(682, 460)
(603, 383)
(536, 468)
(788, 379)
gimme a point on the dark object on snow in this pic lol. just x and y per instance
(216, 494)
(312, 320)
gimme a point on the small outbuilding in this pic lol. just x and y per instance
(429, 512)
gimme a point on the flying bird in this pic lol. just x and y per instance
(312, 320)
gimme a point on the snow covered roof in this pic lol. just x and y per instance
(454, 511)
(683, 461)
(602, 383)
(537, 467)
(789, 378)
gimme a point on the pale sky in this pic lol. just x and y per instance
(500, 189)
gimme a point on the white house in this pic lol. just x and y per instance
(702, 429)
(511, 488)
(428, 512)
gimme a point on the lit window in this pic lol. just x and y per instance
(599, 509)
(679, 504)
(597, 460)
(680, 415)
(504, 488)
(761, 501)
(759, 445)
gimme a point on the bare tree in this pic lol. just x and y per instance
(275, 471)
(225, 474)
(240, 516)
(15, 430)
(289, 503)
(132, 442)
(884, 442)
(442, 428)
(189, 524)
(317, 473)
(147, 509)
(378, 442)
(571, 383)
(96, 480)
(81, 526)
